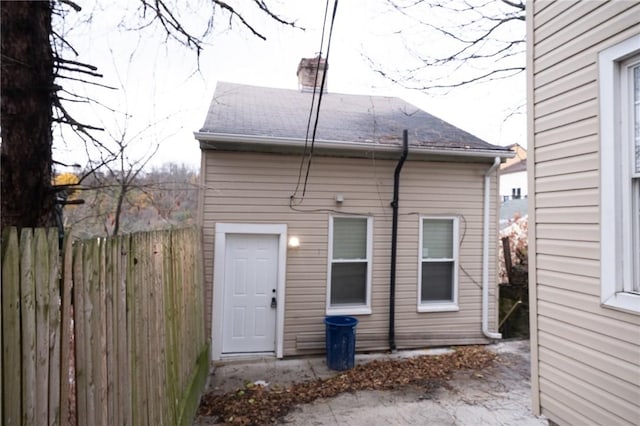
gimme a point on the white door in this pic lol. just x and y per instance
(250, 282)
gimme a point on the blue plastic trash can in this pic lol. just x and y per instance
(340, 342)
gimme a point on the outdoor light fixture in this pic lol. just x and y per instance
(339, 198)
(294, 242)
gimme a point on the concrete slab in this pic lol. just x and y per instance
(235, 373)
(500, 395)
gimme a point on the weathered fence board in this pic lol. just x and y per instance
(11, 336)
(171, 333)
(41, 276)
(55, 328)
(132, 305)
(89, 287)
(66, 333)
(28, 326)
(110, 318)
(79, 324)
(123, 355)
(132, 326)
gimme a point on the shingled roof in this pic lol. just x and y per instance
(270, 113)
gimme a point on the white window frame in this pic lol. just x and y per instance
(632, 243)
(616, 144)
(440, 306)
(355, 309)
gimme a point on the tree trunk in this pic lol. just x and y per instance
(118, 213)
(27, 199)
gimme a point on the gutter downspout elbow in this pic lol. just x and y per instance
(485, 252)
(394, 240)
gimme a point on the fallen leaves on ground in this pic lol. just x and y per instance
(255, 404)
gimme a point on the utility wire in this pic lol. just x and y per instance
(317, 107)
(313, 100)
(324, 79)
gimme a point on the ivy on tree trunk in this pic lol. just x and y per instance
(27, 199)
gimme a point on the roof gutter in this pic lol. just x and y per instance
(485, 252)
(298, 144)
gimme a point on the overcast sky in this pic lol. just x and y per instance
(166, 97)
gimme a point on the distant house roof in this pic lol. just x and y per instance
(519, 166)
(516, 164)
(243, 113)
(510, 208)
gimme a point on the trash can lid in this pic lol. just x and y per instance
(341, 321)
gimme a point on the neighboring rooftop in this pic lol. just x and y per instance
(519, 166)
(516, 164)
(263, 112)
(511, 208)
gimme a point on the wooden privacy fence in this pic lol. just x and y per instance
(111, 332)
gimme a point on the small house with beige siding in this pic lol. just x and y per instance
(583, 75)
(297, 228)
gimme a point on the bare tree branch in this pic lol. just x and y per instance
(80, 64)
(172, 26)
(75, 6)
(232, 13)
(80, 70)
(93, 83)
(411, 83)
(169, 21)
(472, 41)
(519, 5)
(64, 42)
(263, 6)
(38, 62)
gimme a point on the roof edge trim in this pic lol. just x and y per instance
(295, 143)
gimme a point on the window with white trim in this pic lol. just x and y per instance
(438, 264)
(619, 79)
(349, 272)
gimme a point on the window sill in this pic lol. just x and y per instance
(627, 302)
(438, 307)
(349, 310)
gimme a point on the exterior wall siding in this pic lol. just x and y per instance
(256, 188)
(586, 358)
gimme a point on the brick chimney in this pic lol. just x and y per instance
(307, 73)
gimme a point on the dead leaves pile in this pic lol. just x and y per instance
(256, 404)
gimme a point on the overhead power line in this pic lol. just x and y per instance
(317, 106)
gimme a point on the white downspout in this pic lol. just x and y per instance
(485, 253)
